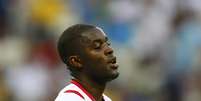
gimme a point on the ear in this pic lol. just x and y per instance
(75, 61)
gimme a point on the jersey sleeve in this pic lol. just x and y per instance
(69, 97)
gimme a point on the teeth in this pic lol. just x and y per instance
(113, 61)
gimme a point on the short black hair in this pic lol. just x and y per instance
(68, 44)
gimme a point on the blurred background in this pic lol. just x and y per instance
(157, 42)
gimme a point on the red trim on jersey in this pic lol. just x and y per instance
(83, 89)
(75, 92)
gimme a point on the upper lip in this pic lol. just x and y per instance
(112, 60)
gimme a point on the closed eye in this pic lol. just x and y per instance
(97, 44)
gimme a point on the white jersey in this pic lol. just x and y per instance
(75, 92)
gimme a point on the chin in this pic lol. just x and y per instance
(112, 77)
(107, 79)
(116, 75)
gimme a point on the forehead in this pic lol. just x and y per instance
(94, 34)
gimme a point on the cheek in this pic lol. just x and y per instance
(96, 55)
(93, 58)
(97, 58)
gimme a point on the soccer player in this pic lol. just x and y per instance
(87, 53)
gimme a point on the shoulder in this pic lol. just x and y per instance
(69, 97)
(106, 98)
(69, 93)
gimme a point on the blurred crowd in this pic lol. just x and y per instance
(157, 42)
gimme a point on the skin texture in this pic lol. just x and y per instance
(96, 64)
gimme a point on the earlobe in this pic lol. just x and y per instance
(75, 61)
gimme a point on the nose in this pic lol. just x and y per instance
(108, 51)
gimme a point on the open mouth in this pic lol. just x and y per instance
(113, 63)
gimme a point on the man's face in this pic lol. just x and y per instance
(98, 60)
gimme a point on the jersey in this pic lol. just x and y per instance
(75, 92)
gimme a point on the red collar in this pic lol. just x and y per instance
(75, 82)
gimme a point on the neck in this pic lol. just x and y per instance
(94, 88)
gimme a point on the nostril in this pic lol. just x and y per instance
(110, 52)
